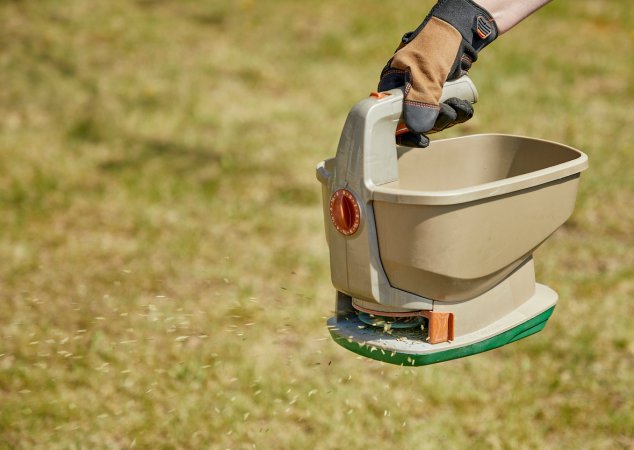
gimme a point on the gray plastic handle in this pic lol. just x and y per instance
(366, 155)
(461, 88)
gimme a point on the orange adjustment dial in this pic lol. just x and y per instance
(345, 213)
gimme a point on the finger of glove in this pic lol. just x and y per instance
(452, 112)
(391, 79)
(446, 117)
(419, 117)
(463, 108)
(412, 140)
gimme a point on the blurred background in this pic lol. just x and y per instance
(164, 276)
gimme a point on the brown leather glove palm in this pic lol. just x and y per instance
(442, 48)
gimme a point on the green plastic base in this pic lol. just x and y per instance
(521, 331)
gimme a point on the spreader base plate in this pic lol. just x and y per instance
(407, 347)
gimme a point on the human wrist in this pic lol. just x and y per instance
(474, 22)
(508, 13)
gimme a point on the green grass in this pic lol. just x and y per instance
(164, 279)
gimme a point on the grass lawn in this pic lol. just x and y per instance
(164, 276)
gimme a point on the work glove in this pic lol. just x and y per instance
(442, 48)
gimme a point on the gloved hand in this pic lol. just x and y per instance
(442, 48)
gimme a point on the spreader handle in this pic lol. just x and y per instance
(462, 88)
(366, 156)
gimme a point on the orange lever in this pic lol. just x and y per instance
(379, 95)
(401, 128)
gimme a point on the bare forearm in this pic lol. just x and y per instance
(508, 13)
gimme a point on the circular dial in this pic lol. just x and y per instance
(345, 213)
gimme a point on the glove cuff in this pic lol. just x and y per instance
(475, 24)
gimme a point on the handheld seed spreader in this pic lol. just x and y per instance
(431, 249)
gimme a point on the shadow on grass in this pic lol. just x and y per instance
(177, 155)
